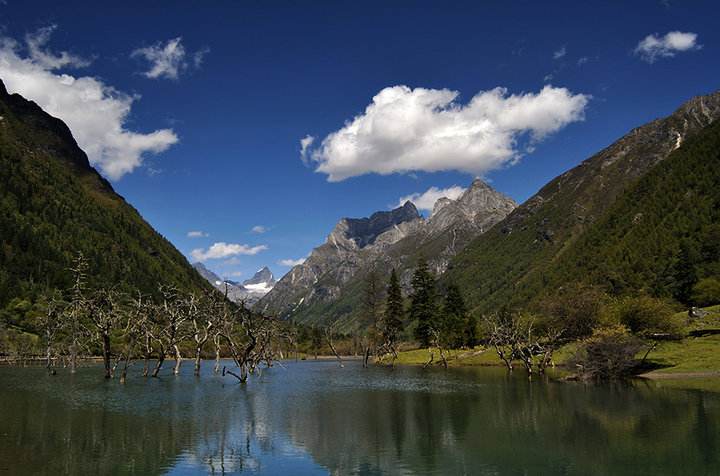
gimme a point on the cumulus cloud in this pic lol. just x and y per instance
(405, 130)
(560, 53)
(169, 60)
(224, 250)
(654, 47)
(427, 199)
(291, 262)
(197, 234)
(95, 112)
(259, 229)
(305, 144)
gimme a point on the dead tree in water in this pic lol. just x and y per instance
(51, 324)
(172, 315)
(76, 311)
(134, 330)
(329, 338)
(249, 336)
(104, 313)
(202, 317)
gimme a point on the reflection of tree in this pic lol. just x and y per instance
(365, 422)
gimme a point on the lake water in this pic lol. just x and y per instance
(308, 418)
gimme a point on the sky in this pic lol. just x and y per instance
(243, 131)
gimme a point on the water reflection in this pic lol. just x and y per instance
(315, 418)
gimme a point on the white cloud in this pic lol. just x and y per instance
(305, 144)
(95, 112)
(235, 274)
(197, 234)
(232, 261)
(291, 262)
(427, 199)
(420, 129)
(582, 60)
(259, 229)
(653, 47)
(559, 53)
(36, 43)
(169, 60)
(225, 250)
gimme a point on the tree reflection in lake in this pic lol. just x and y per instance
(317, 418)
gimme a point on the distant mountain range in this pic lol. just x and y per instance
(328, 285)
(53, 204)
(248, 291)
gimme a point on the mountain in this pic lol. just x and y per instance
(329, 284)
(593, 222)
(263, 278)
(249, 291)
(53, 204)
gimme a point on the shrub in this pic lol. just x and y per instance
(608, 354)
(576, 308)
(706, 292)
(645, 316)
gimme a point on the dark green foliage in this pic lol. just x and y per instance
(574, 308)
(458, 327)
(394, 311)
(706, 292)
(645, 316)
(423, 309)
(53, 204)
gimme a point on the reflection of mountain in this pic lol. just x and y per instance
(315, 418)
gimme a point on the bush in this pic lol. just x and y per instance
(645, 316)
(576, 308)
(608, 354)
(706, 292)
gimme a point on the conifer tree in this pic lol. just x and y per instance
(457, 328)
(394, 311)
(422, 304)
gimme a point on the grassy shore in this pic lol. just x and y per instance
(692, 357)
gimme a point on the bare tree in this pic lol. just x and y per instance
(51, 324)
(329, 338)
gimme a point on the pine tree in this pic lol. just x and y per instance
(394, 311)
(456, 325)
(422, 304)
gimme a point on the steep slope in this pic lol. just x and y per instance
(661, 236)
(510, 263)
(336, 261)
(311, 296)
(54, 204)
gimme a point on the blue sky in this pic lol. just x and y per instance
(257, 77)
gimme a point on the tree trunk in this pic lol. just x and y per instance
(158, 365)
(178, 360)
(106, 355)
(198, 350)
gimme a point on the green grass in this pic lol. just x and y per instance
(692, 355)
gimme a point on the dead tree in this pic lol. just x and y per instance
(51, 324)
(104, 313)
(202, 317)
(329, 338)
(172, 318)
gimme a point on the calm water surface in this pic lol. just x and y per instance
(310, 418)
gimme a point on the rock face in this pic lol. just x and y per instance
(387, 239)
(249, 291)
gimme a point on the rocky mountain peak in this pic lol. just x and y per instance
(263, 275)
(362, 232)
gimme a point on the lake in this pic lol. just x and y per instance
(313, 417)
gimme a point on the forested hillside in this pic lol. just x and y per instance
(53, 204)
(572, 229)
